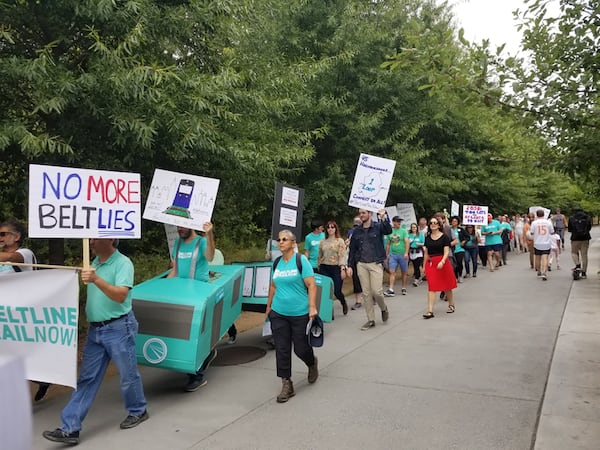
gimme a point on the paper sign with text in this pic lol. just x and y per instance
(475, 215)
(180, 199)
(533, 210)
(371, 182)
(80, 203)
(454, 208)
(406, 211)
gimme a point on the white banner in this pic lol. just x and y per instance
(371, 182)
(179, 199)
(80, 203)
(39, 310)
(475, 215)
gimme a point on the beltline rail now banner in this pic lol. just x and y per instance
(38, 321)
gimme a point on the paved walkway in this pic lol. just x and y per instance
(516, 367)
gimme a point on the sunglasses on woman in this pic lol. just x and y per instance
(283, 239)
(434, 222)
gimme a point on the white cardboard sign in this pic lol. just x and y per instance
(67, 202)
(371, 182)
(475, 215)
(180, 199)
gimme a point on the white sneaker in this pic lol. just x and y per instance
(389, 293)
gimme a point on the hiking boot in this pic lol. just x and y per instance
(133, 421)
(194, 384)
(369, 324)
(385, 315)
(287, 391)
(62, 436)
(313, 371)
(389, 293)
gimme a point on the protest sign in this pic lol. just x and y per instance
(180, 199)
(406, 211)
(454, 208)
(80, 203)
(533, 210)
(371, 182)
(38, 321)
(475, 215)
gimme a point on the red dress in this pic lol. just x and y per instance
(438, 279)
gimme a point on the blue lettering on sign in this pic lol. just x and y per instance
(55, 186)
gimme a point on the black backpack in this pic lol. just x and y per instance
(580, 225)
(298, 263)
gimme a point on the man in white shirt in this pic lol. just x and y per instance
(541, 230)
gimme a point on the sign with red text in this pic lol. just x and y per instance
(181, 199)
(66, 202)
(475, 215)
(371, 182)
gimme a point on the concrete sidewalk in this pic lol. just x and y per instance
(516, 367)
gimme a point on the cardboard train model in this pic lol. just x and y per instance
(182, 319)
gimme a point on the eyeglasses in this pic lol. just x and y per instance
(4, 233)
(331, 226)
(284, 239)
(434, 222)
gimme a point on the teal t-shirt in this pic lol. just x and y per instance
(457, 248)
(118, 271)
(494, 239)
(291, 295)
(397, 243)
(415, 239)
(311, 243)
(184, 259)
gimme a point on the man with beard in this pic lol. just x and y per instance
(190, 258)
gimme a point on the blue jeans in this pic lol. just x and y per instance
(115, 341)
(471, 257)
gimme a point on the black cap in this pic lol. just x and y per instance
(315, 332)
(397, 219)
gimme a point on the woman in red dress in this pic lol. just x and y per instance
(439, 272)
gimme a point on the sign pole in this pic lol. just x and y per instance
(86, 253)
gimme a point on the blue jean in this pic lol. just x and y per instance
(115, 341)
(471, 256)
(334, 273)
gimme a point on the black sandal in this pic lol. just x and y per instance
(429, 315)
(450, 309)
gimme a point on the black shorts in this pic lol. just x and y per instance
(538, 252)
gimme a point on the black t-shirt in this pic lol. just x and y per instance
(436, 247)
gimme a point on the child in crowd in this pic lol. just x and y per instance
(555, 245)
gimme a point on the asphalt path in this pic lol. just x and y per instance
(489, 376)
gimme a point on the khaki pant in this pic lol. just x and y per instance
(371, 280)
(580, 248)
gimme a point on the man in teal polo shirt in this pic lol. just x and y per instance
(111, 336)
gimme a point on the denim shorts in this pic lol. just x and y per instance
(398, 260)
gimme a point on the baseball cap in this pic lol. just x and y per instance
(397, 219)
(315, 332)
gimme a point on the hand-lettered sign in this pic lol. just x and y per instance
(475, 215)
(371, 182)
(181, 199)
(80, 203)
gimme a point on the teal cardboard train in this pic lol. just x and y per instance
(181, 319)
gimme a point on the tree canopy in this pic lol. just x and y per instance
(257, 91)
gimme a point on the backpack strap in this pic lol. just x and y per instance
(195, 259)
(298, 263)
